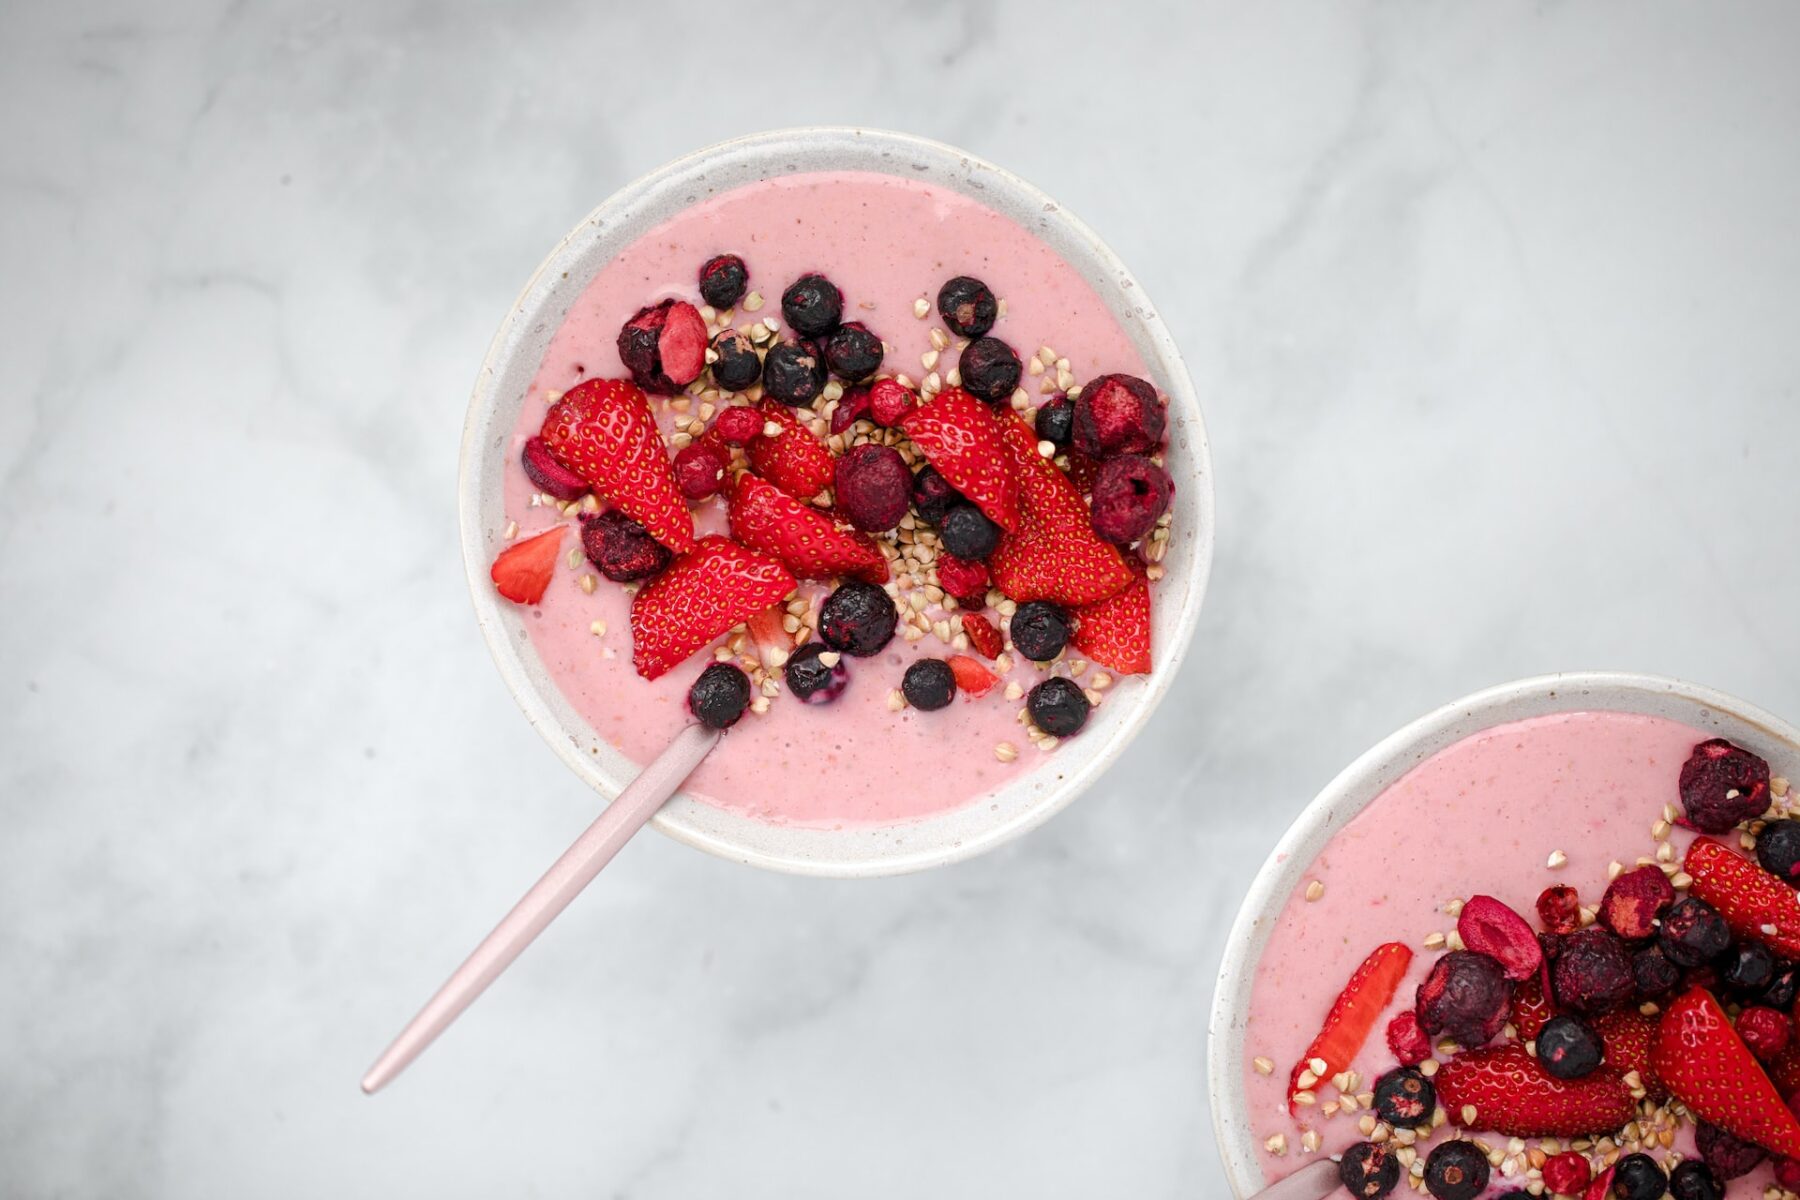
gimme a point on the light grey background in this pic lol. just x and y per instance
(1493, 309)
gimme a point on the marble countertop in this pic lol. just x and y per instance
(1493, 312)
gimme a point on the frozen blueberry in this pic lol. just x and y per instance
(967, 533)
(1040, 630)
(1778, 850)
(1058, 706)
(736, 365)
(720, 696)
(621, 549)
(1783, 989)
(812, 306)
(858, 619)
(967, 306)
(816, 673)
(1056, 421)
(852, 352)
(929, 684)
(1653, 974)
(794, 373)
(1464, 997)
(1746, 967)
(1723, 784)
(1368, 1170)
(1693, 933)
(1639, 1177)
(1592, 975)
(1456, 1171)
(1569, 1048)
(723, 279)
(932, 495)
(1728, 1156)
(989, 369)
(1694, 1180)
(1404, 1098)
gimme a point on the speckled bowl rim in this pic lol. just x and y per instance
(1358, 784)
(517, 350)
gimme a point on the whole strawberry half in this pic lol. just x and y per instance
(1504, 1089)
(1115, 632)
(1757, 906)
(1054, 554)
(793, 460)
(602, 430)
(523, 570)
(714, 586)
(956, 432)
(1353, 1014)
(804, 538)
(1702, 1061)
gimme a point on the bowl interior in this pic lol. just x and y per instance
(519, 347)
(1702, 708)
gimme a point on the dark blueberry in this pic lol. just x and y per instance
(1058, 706)
(1783, 989)
(932, 495)
(1040, 630)
(1404, 1098)
(989, 369)
(1593, 973)
(967, 306)
(736, 365)
(1130, 494)
(967, 533)
(1056, 421)
(812, 306)
(1693, 933)
(1465, 997)
(813, 681)
(723, 279)
(794, 373)
(1723, 784)
(621, 549)
(852, 352)
(720, 696)
(1746, 967)
(1569, 1048)
(1639, 1177)
(1728, 1156)
(1368, 1170)
(1778, 850)
(1653, 974)
(1694, 1180)
(1456, 1171)
(929, 684)
(858, 618)
(1118, 414)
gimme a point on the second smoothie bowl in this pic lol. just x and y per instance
(880, 441)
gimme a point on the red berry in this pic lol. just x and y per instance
(1489, 927)
(738, 424)
(548, 475)
(1723, 784)
(699, 471)
(1787, 1174)
(1407, 1040)
(1634, 901)
(1465, 997)
(852, 407)
(1559, 909)
(963, 578)
(1118, 414)
(874, 487)
(888, 402)
(1568, 1173)
(1130, 494)
(1766, 1031)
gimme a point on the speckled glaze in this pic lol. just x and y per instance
(1710, 712)
(513, 359)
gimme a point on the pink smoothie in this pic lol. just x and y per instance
(885, 242)
(1481, 817)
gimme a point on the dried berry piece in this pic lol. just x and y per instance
(964, 578)
(1368, 1170)
(858, 619)
(1456, 1170)
(1559, 909)
(1404, 1098)
(720, 696)
(1465, 997)
(1130, 494)
(1693, 933)
(812, 306)
(1787, 1174)
(548, 475)
(889, 402)
(1058, 706)
(1778, 850)
(1634, 901)
(967, 306)
(1055, 421)
(664, 346)
(874, 487)
(1728, 1156)
(929, 684)
(933, 497)
(1118, 414)
(1569, 1047)
(1592, 975)
(1407, 1041)
(1652, 974)
(737, 425)
(852, 353)
(1566, 1174)
(1765, 1031)
(621, 549)
(736, 366)
(989, 369)
(1039, 630)
(852, 406)
(794, 373)
(723, 279)
(1489, 927)
(1783, 989)
(816, 673)
(1721, 785)
(700, 470)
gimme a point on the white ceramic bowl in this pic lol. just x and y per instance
(1706, 710)
(519, 346)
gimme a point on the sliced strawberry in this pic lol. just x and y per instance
(794, 460)
(1601, 1187)
(1628, 1034)
(705, 592)
(603, 431)
(804, 538)
(1757, 906)
(1700, 1058)
(1353, 1014)
(1115, 632)
(1530, 1008)
(1506, 1090)
(983, 637)
(522, 571)
(773, 642)
(971, 676)
(1785, 1070)
(956, 432)
(1054, 554)
(964, 578)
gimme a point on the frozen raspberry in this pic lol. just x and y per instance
(1118, 414)
(1765, 1031)
(1634, 901)
(1567, 1174)
(1569, 1047)
(794, 373)
(889, 401)
(933, 497)
(1746, 968)
(929, 684)
(1559, 908)
(548, 475)
(852, 407)
(621, 549)
(1058, 706)
(816, 674)
(967, 533)
(700, 470)
(738, 424)
(720, 696)
(1694, 1180)
(736, 366)
(1693, 933)
(1039, 630)
(1456, 1170)
(858, 619)
(1369, 1171)
(1404, 1098)
(1130, 493)
(664, 346)
(852, 352)
(1465, 997)
(1592, 976)
(967, 306)
(1407, 1041)
(1652, 974)
(723, 279)
(966, 579)
(1726, 1155)
(1639, 1177)
(1056, 421)
(989, 369)
(812, 306)
(1722, 785)
(874, 487)
(1778, 850)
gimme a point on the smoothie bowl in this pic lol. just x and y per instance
(863, 448)
(1542, 940)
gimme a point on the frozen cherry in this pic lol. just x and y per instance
(889, 401)
(664, 346)
(621, 549)
(1652, 974)
(1491, 928)
(1723, 784)
(874, 487)
(1727, 1155)
(1130, 494)
(1118, 414)
(1693, 933)
(548, 475)
(1634, 901)
(737, 425)
(1559, 908)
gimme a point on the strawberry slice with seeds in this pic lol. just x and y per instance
(772, 640)
(1353, 1014)
(1054, 554)
(956, 432)
(793, 459)
(704, 593)
(1627, 1034)
(1505, 1089)
(1757, 906)
(602, 430)
(1701, 1059)
(523, 570)
(983, 637)
(971, 676)
(1530, 1008)
(1115, 632)
(806, 540)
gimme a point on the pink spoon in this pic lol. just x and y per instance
(548, 896)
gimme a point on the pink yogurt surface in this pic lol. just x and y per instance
(885, 242)
(1480, 817)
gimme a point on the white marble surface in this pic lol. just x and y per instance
(1494, 311)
